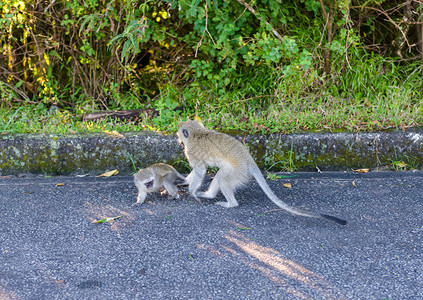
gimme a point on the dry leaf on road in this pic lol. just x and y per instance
(361, 170)
(108, 174)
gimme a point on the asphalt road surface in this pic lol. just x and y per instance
(182, 249)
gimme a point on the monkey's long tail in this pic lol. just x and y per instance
(263, 184)
(179, 175)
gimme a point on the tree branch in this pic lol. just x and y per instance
(247, 6)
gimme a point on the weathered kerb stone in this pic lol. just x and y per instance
(81, 154)
(341, 151)
(95, 153)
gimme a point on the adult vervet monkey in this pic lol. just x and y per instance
(155, 177)
(204, 148)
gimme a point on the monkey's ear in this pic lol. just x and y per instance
(185, 133)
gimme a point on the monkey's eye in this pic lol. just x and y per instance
(185, 133)
(149, 184)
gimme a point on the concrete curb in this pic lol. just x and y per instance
(96, 153)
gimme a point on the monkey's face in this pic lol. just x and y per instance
(186, 129)
(180, 142)
(144, 179)
(182, 134)
(149, 184)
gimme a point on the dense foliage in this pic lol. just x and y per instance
(123, 54)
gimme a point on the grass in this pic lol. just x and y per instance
(29, 120)
(405, 163)
(373, 94)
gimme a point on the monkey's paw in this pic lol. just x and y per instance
(195, 197)
(226, 204)
(204, 195)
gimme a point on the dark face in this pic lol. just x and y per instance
(186, 128)
(149, 185)
(182, 135)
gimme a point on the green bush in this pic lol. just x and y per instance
(215, 57)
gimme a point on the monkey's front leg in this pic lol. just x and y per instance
(212, 190)
(171, 188)
(140, 198)
(196, 179)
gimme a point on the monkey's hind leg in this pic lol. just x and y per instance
(224, 180)
(228, 192)
(170, 187)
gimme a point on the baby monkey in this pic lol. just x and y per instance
(155, 177)
(204, 148)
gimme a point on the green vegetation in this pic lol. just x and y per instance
(405, 163)
(258, 66)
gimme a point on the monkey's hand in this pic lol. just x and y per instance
(140, 200)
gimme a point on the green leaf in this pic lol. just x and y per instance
(135, 46)
(55, 54)
(242, 228)
(85, 20)
(19, 84)
(107, 219)
(125, 49)
(215, 6)
(113, 40)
